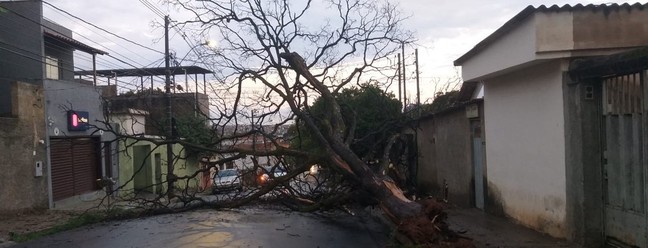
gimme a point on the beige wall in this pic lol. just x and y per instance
(551, 35)
(525, 152)
(20, 137)
(616, 28)
(554, 31)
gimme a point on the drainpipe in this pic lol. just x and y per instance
(50, 194)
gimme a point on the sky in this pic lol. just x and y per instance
(444, 29)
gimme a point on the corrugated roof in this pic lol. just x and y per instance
(616, 64)
(150, 71)
(71, 42)
(530, 10)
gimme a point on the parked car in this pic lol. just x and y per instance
(270, 173)
(226, 180)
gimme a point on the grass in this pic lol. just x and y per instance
(76, 222)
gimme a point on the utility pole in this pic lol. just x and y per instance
(169, 133)
(399, 79)
(418, 89)
(404, 78)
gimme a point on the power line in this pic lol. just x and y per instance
(81, 56)
(151, 7)
(116, 35)
(120, 60)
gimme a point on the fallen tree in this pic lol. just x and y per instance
(293, 53)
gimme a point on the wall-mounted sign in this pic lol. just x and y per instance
(472, 111)
(77, 120)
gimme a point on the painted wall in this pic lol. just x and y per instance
(610, 29)
(21, 47)
(129, 168)
(60, 51)
(588, 30)
(524, 125)
(554, 31)
(560, 34)
(62, 96)
(183, 105)
(513, 49)
(20, 142)
(129, 123)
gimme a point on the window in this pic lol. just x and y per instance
(51, 68)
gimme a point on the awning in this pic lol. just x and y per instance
(71, 42)
(153, 71)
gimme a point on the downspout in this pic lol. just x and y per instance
(50, 195)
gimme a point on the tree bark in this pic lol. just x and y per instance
(391, 199)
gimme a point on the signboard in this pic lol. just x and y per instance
(472, 111)
(77, 120)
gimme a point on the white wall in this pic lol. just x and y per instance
(515, 48)
(130, 124)
(525, 147)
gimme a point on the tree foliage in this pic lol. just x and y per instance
(370, 115)
(442, 101)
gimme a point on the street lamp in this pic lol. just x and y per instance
(209, 43)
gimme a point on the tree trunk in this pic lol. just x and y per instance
(390, 197)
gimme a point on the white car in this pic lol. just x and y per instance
(226, 180)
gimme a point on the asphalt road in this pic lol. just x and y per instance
(250, 227)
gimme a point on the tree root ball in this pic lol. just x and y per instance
(430, 229)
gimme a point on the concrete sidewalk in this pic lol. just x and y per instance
(492, 231)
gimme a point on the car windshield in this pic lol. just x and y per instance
(227, 173)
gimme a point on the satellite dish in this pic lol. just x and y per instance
(56, 131)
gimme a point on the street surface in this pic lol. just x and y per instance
(249, 227)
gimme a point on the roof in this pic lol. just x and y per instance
(153, 71)
(467, 90)
(616, 64)
(530, 10)
(459, 105)
(47, 34)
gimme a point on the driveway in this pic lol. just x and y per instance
(248, 227)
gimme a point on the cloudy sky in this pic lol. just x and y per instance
(445, 29)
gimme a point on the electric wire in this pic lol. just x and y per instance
(111, 56)
(100, 28)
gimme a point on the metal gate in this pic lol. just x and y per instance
(75, 166)
(624, 159)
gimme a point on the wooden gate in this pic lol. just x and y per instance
(624, 159)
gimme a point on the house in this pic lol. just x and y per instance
(566, 139)
(185, 105)
(68, 116)
(450, 147)
(142, 162)
(140, 117)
